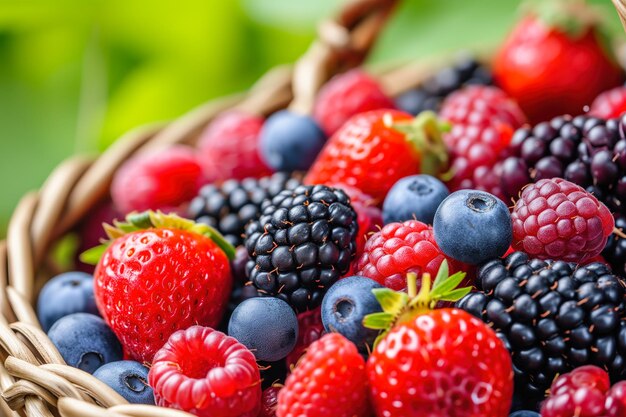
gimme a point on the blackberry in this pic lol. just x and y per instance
(615, 250)
(233, 204)
(303, 242)
(553, 316)
(585, 150)
(431, 93)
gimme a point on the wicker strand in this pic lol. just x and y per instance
(620, 6)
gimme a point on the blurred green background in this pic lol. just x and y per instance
(76, 74)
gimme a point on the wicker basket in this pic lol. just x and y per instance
(34, 379)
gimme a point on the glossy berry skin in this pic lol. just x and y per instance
(229, 147)
(556, 219)
(330, 380)
(265, 325)
(431, 93)
(525, 413)
(310, 329)
(472, 226)
(269, 401)
(185, 279)
(615, 249)
(346, 95)
(303, 243)
(85, 341)
(67, 293)
(129, 379)
(290, 141)
(345, 305)
(441, 363)
(206, 373)
(586, 391)
(414, 198)
(163, 179)
(367, 153)
(609, 104)
(549, 72)
(400, 248)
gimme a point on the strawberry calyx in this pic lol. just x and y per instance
(425, 134)
(154, 220)
(400, 307)
(572, 17)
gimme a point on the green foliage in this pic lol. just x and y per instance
(77, 74)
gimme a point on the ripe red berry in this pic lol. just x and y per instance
(310, 329)
(399, 248)
(229, 147)
(585, 392)
(269, 401)
(609, 104)
(157, 180)
(557, 219)
(206, 373)
(483, 122)
(167, 277)
(330, 380)
(441, 363)
(346, 95)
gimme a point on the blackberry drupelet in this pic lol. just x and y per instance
(233, 204)
(553, 316)
(303, 242)
(585, 150)
(615, 250)
(431, 93)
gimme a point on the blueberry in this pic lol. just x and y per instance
(290, 141)
(265, 325)
(85, 341)
(525, 413)
(344, 306)
(129, 379)
(473, 226)
(68, 293)
(415, 197)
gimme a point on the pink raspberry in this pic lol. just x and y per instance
(206, 373)
(609, 104)
(557, 219)
(346, 95)
(229, 147)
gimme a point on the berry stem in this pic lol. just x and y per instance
(619, 232)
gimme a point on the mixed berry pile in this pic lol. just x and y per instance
(457, 251)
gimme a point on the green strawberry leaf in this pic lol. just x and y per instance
(456, 295)
(92, 256)
(442, 274)
(378, 321)
(448, 284)
(391, 301)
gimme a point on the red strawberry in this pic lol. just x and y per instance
(610, 104)
(228, 148)
(310, 329)
(161, 180)
(206, 373)
(434, 363)
(399, 248)
(162, 270)
(555, 67)
(483, 121)
(375, 149)
(329, 380)
(346, 95)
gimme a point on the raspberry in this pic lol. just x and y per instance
(269, 400)
(609, 104)
(586, 391)
(310, 329)
(206, 373)
(556, 219)
(346, 95)
(481, 105)
(330, 380)
(399, 248)
(163, 179)
(228, 148)
(483, 121)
